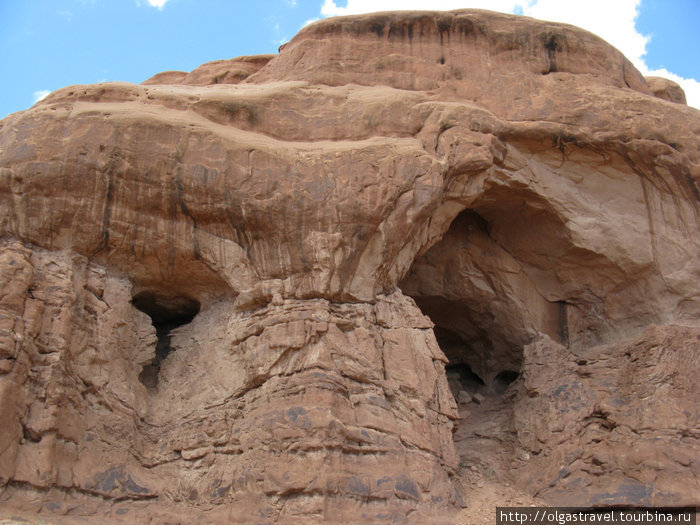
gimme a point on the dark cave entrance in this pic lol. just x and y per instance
(484, 285)
(485, 310)
(503, 380)
(466, 284)
(462, 379)
(167, 312)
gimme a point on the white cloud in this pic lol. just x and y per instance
(329, 7)
(41, 95)
(158, 3)
(310, 21)
(280, 41)
(612, 20)
(67, 15)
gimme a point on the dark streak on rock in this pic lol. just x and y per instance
(551, 46)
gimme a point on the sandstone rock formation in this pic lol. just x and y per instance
(230, 71)
(237, 303)
(666, 89)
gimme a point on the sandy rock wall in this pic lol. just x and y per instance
(459, 54)
(614, 422)
(284, 413)
(221, 301)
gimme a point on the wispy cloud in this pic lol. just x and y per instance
(41, 95)
(291, 3)
(617, 25)
(330, 8)
(280, 41)
(158, 3)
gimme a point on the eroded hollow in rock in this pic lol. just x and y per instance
(167, 312)
(461, 377)
(503, 380)
(473, 291)
(485, 311)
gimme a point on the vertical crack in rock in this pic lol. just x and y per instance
(166, 313)
(563, 323)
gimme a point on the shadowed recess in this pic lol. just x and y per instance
(166, 313)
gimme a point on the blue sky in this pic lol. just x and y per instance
(49, 44)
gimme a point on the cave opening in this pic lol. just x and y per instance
(484, 310)
(468, 373)
(167, 312)
(471, 289)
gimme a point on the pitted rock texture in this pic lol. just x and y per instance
(251, 293)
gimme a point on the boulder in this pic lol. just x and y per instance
(666, 89)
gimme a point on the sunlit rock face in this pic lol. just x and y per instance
(232, 294)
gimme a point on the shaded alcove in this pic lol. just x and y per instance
(167, 312)
(460, 374)
(483, 309)
(503, 380)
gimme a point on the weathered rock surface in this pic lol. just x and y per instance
(237, 303)
(230, 71)
(666, 89)
(614, 422)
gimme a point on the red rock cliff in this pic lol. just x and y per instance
(231, 295)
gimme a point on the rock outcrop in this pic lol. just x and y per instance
(666, 89)
(237, 294)
(231, 71)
